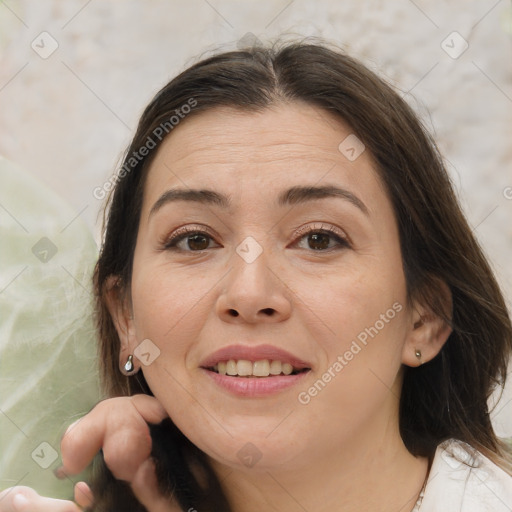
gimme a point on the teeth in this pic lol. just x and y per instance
(245, 368)
(261, 368)
(275, 367)
(231, 368)
(287, 368)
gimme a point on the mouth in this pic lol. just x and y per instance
(262, 368)
(255, 371)
(260, 361)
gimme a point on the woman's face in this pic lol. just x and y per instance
(275, 267)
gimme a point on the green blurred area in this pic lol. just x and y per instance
(48, 369)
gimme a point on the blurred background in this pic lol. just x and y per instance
(76, 74)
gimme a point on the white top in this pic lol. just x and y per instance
(462, 479)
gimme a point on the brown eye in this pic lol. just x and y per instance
(322, 240)
(189, 241)
(318, 241)
(198, 242)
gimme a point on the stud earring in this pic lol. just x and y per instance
(417, 353)
(129, 366)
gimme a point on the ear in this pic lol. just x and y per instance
(120, 308)
(428, 330)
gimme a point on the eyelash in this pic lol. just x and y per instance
(341, 239)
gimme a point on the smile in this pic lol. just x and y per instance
(261, 368)
(250, 370)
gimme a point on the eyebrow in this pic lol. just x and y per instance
(291, 196)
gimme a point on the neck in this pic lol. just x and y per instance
(371, 472)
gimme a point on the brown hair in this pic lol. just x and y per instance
(444, 398)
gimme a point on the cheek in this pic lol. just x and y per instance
(167, 303)
(362, 302)
(167, 306)
(363, 328)
(360, 379)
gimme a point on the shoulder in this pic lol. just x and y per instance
(464, 480)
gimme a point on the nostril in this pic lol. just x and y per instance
(268, 311)
(233, 312)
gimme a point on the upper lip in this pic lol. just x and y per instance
(253, 353)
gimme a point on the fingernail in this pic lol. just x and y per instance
(71, 426)
(19, 502)
(60, 473)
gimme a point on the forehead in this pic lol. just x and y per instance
(247, 153)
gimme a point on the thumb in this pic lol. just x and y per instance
(145, 488)
(83, 495)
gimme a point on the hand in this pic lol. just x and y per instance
(25, 499)
(119, 426)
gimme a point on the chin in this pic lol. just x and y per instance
(253, 451)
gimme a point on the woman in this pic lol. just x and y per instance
(287, 271)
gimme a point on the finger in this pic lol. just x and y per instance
(82, 440)
(145, 488)
(83, 495)
(128, 445)
(149, 408)
(43, 504)
(25, 499)
(13, 498)
(125, 450)
(117, 425)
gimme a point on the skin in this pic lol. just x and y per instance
(313, 303)
(322, 456)
(112, 425)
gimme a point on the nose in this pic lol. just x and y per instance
(254, 293)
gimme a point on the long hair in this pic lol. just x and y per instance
(444, 398)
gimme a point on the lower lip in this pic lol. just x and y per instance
(255, 386)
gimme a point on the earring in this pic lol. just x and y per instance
(129, 366)
(417, 353)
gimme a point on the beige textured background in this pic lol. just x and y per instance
(67, 118)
